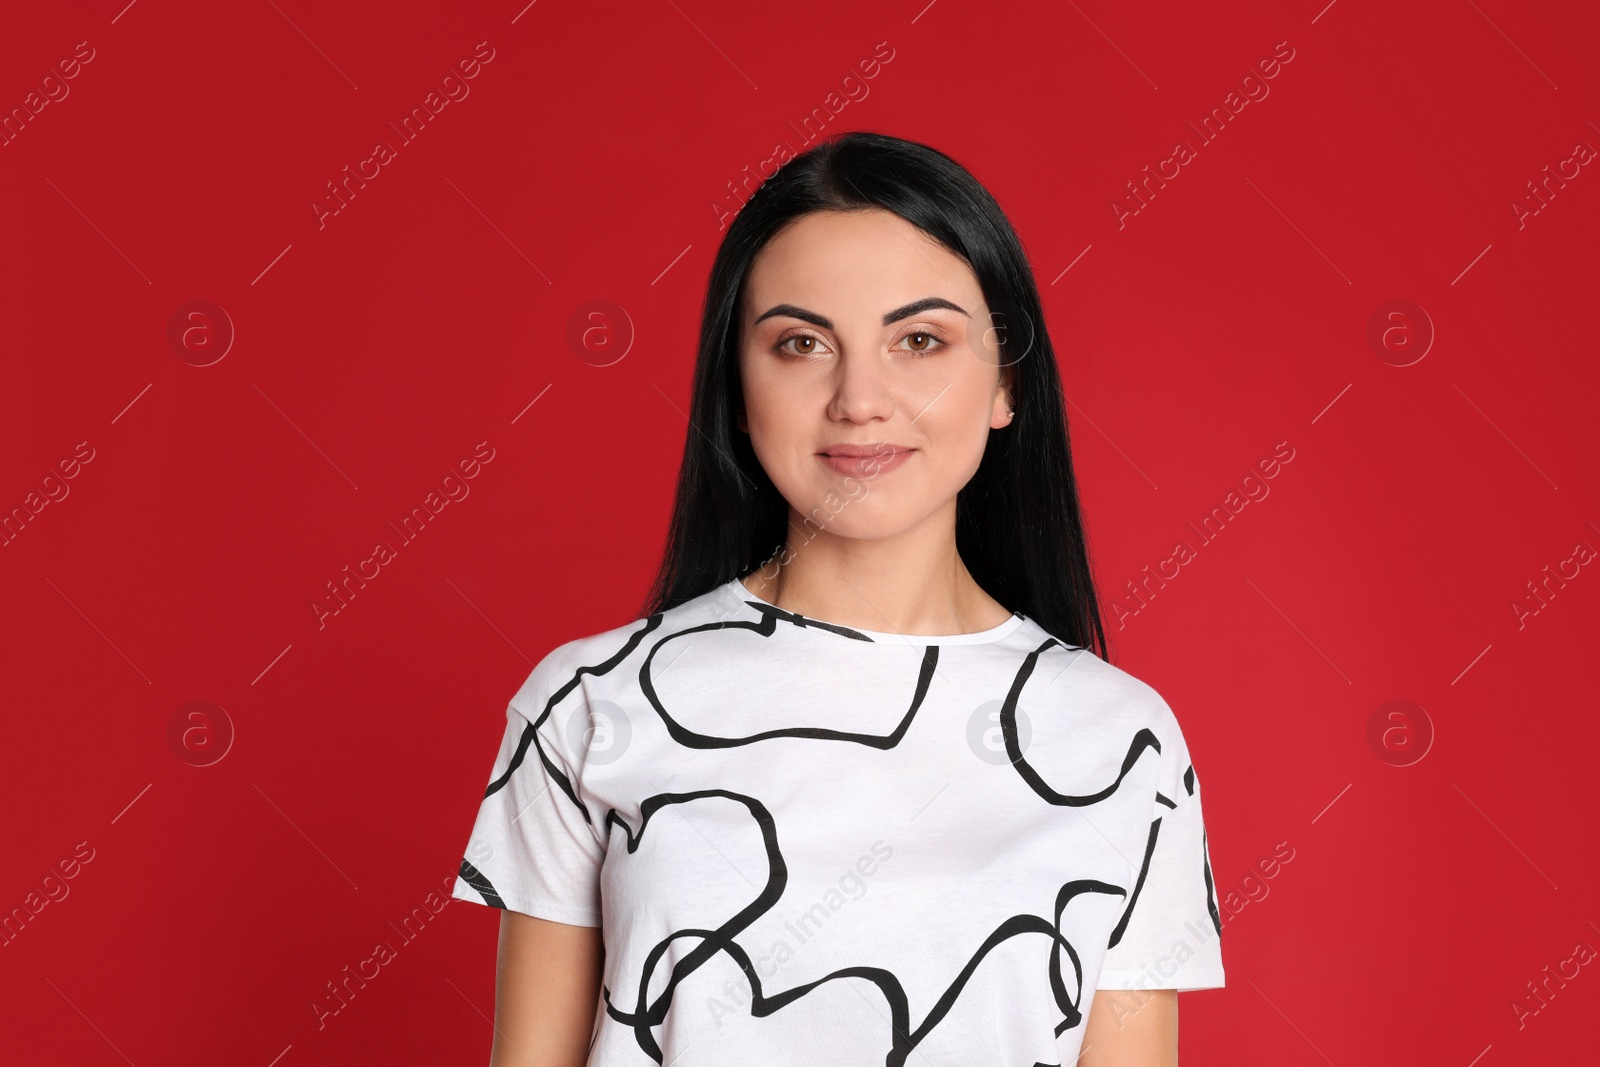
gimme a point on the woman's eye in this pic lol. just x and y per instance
(928, 342)
(920, 342)
(799, 339)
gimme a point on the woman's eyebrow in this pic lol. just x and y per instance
(913, 308)
(796, 313)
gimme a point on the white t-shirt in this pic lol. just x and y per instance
(816, 844)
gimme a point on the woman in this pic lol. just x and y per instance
(859, 787)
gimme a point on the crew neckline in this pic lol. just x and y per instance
(737, 589)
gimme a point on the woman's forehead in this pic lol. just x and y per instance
(854, 267)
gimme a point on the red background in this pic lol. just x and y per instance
(591, 161)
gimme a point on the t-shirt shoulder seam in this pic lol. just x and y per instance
(563, 662)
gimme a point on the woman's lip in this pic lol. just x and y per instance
(860, 451)
(869, 465)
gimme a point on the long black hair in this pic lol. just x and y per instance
(1018, 528)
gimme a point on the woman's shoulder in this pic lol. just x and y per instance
(602, 651)
(1082, 677)
(1133, 707)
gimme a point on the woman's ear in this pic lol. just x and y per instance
(1005, 405)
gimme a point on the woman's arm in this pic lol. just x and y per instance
(1131, 1028)
(547, 989)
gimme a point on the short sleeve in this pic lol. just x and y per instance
(533, 848)
(1170, 934)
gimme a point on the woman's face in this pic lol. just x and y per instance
(860, 330)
